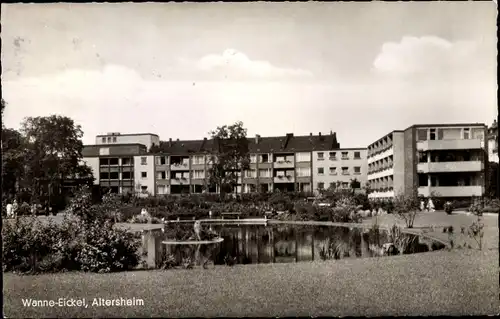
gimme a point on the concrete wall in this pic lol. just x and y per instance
(149, 168)
(146, 139)
(399, 161)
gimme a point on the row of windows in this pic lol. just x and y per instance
(333, 155)
(109, 139)
(344, 170)
(334, 185)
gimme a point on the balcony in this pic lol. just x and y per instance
(376, 156)
(284, 179)
(284, 164)
(179, 181)
(451, 191)
(470, 144)
(450, 167)
(179, 167)
(380, 173)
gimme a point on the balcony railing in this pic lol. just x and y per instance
(469, 144)
(445, 167)
(179, 166)
(284, 164)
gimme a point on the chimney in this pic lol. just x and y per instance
(177, 140)
(257, 138)
(170, 142)
(331, 132)
(319, 134)
(310, 134)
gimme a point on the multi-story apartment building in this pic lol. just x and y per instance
(493, 142)
(442, 160)
(115, 166)
(339, 168)
(146, 139)
(285, 163)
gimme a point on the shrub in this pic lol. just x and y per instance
(406, 207)
(142, 219)
(448, 208)
(107, 249)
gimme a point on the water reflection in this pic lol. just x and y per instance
(252, 244)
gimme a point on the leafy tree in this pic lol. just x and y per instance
(492, 179)
(231, 156)
(406, 208)
(13, 154)
(355, 184)
(53, 151)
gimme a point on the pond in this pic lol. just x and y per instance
(255, 244)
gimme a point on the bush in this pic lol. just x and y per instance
(406, 207)
(107, 249)
(142, 219)
(448, 207)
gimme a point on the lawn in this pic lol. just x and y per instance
(446, 283)
(458, 282)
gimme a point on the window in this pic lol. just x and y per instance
(126, 161)
(264, 173)
(357, 155)
(321, 170)
(321, 185)
(161, 189)
(198, 160)
(345, 170)
(113, 175)
(200, 174)
(264, 158)
(303, 172)
(333, 171)
(104, 140)
(161, 175)
(321, 156)
(144, 174)
(251, 173)
(144, 161)
(345, 185)
(109, 139)
(432, 135)
(144, 189)
(104, 175)
(126, 175)
(161, 160)
(114, 139)
(466, 133)
(113, 161)
(357, 170)
(103, 161)
(304, 157)
(103, 151)
(422, 135)
(345, 155)
(333, 156)
(253, 158)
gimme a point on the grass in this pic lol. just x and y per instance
(447, 283)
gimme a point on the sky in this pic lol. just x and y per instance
(360, 69)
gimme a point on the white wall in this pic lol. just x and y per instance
(149, 168)
(146, 139)
(326, 163)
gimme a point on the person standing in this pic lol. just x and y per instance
(10, 213)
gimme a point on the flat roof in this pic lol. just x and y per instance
(128, 134)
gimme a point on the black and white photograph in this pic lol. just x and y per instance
(249, 159)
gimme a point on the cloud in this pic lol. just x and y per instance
(427, 55)
(236, 64)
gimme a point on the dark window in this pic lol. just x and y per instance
(422, 135)
(432, 134)
(321, 185)
(113, 175)
(126, 175)
(114, 139)
(357, 155)
(321, 170)
(126, 161)
(104, 140)
(103, 161)
(104, 175)
(113, 161)
(144, 174)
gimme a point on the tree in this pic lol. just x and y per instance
(355, 184)
(492, 179)
(53, 152)
(13, 154)
(231, 156)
